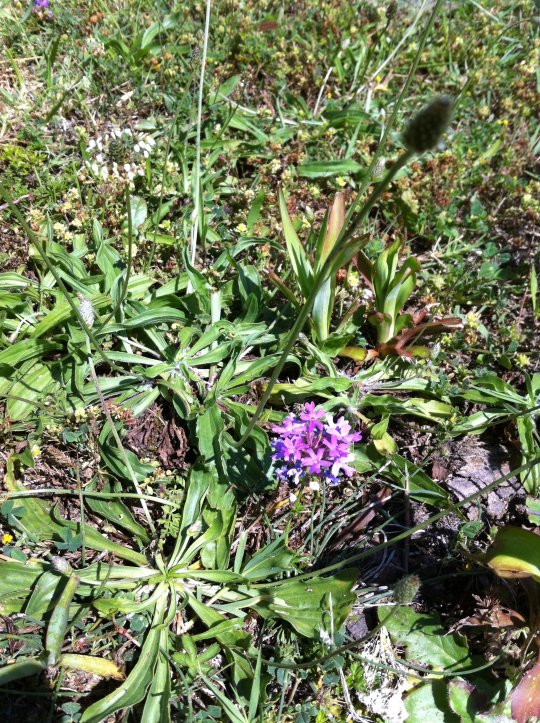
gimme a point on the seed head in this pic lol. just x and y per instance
(60, 565)
(405, 589)
(86, 309)
(425, 129)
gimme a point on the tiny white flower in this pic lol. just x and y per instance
(314, 485)
(127, 167)
(99, 158)
(136, 148)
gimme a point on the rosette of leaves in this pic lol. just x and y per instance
(192, 602)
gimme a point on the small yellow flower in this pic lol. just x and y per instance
(7, 538)
(472, 320)
(242, 228)
(35, 451)
(523, 360)
(341, 182)
(505, 122)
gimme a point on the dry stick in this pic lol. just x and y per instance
(418, 528)
(116, 435)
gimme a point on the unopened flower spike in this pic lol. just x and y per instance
(425, 129)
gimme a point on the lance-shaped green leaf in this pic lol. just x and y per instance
(324, 301)
(134, 688)
(298, 257)
(38, 520)
(20, 669)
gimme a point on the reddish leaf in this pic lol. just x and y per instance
(526, 697)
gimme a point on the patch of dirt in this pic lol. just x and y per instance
(13, 249)
(157, 433)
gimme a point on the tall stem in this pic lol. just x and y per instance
(327, 269)
(197, 175)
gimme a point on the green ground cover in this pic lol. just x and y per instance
(269, 367)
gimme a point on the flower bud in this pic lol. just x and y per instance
(425, 129)
(405, 589)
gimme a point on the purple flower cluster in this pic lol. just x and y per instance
(41, 4)
(307, 445)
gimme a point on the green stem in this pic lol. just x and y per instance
(393, 117)
(325, 272)
(418, 528)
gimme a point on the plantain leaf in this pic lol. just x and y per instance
(321, 603)
(134, 688)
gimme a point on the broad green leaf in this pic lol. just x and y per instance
(45, 594)
(36, 382)
(157, 707)
(134, 688)
(20, 669)
(429, 702)
(425, 640)
(488, 389)
(139, 209)
(118, 513)
(515, 553)
(27, 349)
(18, 577)
(38, 520)
(324, 301)
(307, 605)
(271, 560)
(460, 698)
